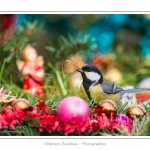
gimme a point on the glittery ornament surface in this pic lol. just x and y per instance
(21, 103)
(108, 105)
(122, 118)
(136, 110)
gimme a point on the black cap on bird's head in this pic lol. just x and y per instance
(91, 74)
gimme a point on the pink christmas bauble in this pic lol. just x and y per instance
(73, 108)
(122, 118)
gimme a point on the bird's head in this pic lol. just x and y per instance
(91, 74)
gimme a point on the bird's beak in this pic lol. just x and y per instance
(79, 70)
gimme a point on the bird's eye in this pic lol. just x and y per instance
(89, 69)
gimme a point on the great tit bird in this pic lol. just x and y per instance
(95, 87)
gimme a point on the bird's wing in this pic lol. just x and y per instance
(110, 87)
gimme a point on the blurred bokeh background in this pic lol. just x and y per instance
(109, 31)
(119, 44)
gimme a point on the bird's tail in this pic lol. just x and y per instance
(140, 94)
(136, 90)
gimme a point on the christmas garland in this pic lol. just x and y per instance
(18, 117)
(47, 121)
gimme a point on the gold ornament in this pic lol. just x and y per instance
(21, 103)
(107, 105)
(114, 75)
(136, 110)
(75, 80)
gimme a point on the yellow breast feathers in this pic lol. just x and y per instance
(98, 95)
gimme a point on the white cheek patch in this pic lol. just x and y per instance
(93, 76)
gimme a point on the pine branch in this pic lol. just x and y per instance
(122, 109)
(69, 46)
(23, 36)
(141, 126)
